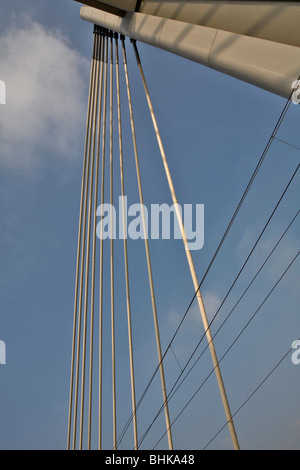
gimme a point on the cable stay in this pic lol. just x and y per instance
(79, 248)
(201, 306)
(151, 284)
(81, 255)
(104, 138)
(252, 394)
(226, 233)
(250, 183)
(100, 109)
(128, 305)
(177, 385)
(232, 344)
(102, 49)
(103, 151)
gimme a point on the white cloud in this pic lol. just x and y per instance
(45, 95)
(280, 259)
(192, 328)
(212, 303)
(193, 319)
(246, 243)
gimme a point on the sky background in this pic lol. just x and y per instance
(214, 129)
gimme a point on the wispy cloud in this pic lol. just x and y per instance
(192, 328)
(193, 319)
(45, 81)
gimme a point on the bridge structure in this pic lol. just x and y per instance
(254, 41)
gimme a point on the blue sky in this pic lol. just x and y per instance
(214, 129)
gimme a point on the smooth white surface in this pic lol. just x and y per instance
(266, 64)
